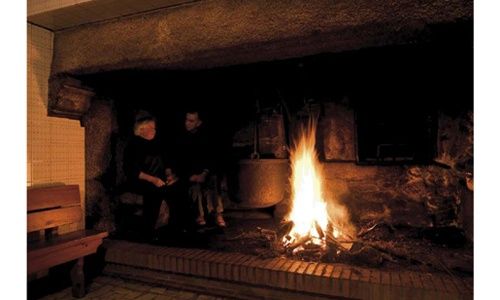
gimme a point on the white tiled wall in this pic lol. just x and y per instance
(56, 146)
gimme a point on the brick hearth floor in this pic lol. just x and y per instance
(248, 277)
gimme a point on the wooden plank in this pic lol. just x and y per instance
(62, 255)
(53, 218)
(57, 196)
(66, 240)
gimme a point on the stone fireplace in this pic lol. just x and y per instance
(389, 83)
(367, 101)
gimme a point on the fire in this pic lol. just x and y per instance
(312, 221)
(308, 208)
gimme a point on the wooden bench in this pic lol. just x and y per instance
(49, 208)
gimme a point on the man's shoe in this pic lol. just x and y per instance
(201, 221)
(219, 220)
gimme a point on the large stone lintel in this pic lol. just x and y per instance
(218, 33)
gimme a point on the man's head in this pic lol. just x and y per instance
(145, 126)
(192, 121)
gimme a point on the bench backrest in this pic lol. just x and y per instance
(51, 207)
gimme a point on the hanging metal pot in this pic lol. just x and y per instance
(262, 182)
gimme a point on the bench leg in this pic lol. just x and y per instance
(78, 279)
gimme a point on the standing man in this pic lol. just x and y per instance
(197, 164)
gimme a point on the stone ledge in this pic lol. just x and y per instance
(281, 275)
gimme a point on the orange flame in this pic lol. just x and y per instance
(309, 211)
(308, 208)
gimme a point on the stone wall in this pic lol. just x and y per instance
(415, 195)
(408, 195)
(100, 171)
(455, 140)
(337, 130)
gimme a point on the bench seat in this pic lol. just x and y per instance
(61, 249)
(48, 209)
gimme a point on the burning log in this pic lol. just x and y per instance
(306, 247)
(312, 246)
(299, 242)
(271, 237)
(318, 229)
(310, 254)
(344, 245)
(268, 234)
(332, 243)
(286, 227)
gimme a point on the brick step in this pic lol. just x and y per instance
(223, 273)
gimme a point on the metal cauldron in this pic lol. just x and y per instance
(262, 182)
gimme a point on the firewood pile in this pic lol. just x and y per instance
(305, 247)
(374, 245)
(320, 247)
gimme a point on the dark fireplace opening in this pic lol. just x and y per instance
(395, 93)
(394, 136)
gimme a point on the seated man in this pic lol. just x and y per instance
(149, 174)
(196, 164)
